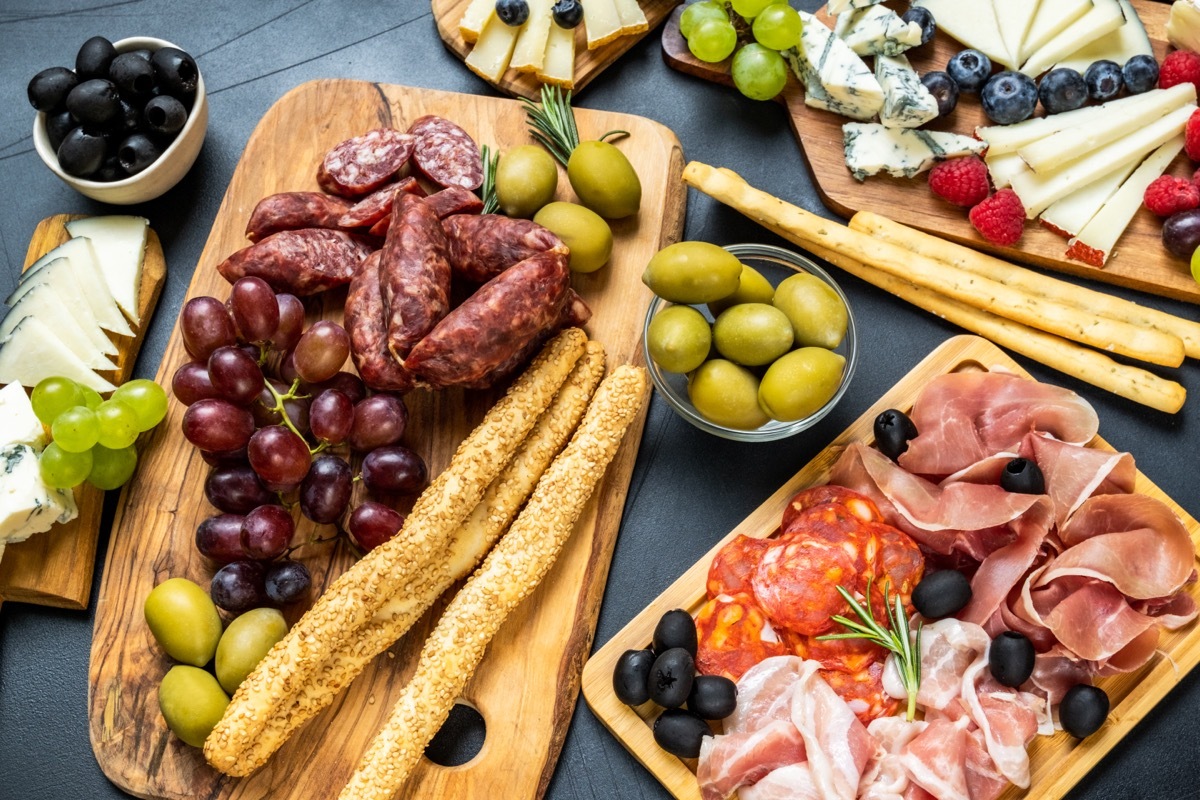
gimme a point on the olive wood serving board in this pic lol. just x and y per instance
(527, 685)
(1139, 262)
(588, 63)
(1058, 762)
(55, 568)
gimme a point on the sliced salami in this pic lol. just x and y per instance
(455, 200)
(302, 262)
(733, 636)
(446, 154)
(290, 211)
(378, 204)
(734, 564)
(793, 584)
(368, 331)
(859, 505)
(360, 165)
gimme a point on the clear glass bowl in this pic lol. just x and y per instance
(775, 264)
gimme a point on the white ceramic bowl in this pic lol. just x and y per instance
(155, 179)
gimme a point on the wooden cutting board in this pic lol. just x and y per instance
(1140, 261)
(55, 568)
(1058, 762)
(527, 685)
(588, 63)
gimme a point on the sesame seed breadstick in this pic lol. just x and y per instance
(399, 566)
(510, 573)
(470, 544)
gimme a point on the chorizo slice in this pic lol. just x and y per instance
(484, 245)
(734, 564)
(732, 636)
(860, 505)
(290, 211)
(901, 563)
(415, 274)
(368, 331)
(795, 579)
(378, 204)
(362, 164)
(302, 262)
(446, 154)
(863, 691)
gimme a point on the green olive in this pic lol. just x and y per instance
(184, 621)
(582, 230)
(819, 317)
(726, 394)
(245, 642)
(799, 383)
(752, 288)
(526, 179)
(604, 180)
(692, 272)
(191, 702)
(752, 334)
(679, 339)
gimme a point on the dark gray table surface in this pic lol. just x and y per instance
(688, 489)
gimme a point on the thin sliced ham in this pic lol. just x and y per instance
(794, 782)
(764, 694)
(936, 759)
(1074, 473)
(838, 745)
(885, 777)
(734, 760)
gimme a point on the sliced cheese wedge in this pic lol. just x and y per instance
(877, 31)
(120, 245)
(474, 18)
(88, 279)
(1016, 18)
(1003, 167)
(558, 68)
(1053, 17)
(973, 23)
(34, 353)
(490, 56)
(1094, 244)
(1068, 216)
(1124, 43)
(1105, 17)
(58, 276)
(42, 302)
(842, 6)
(633, 19)
(602, 22)
(529, 52)
(1183, 26)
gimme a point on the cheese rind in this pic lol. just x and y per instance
(1124, 43)
(120, 246)
(906, 101)
(835, 78)
(18, 423)
(489, 58)
(872, 149)
(973, 23)
(27, 504)
(474, 18)
(877, 30)
(1105, 17)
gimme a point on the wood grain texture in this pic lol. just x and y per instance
(588, 63)
(1139, 262)
(527, 685)
(1058, 762)
(55, 568)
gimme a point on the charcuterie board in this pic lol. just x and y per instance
(1058, 762)
(1140, 261)
(55, 568)
(528, 683)
(588, 63)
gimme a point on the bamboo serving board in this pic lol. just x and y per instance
(588, 63)
(55, 568)
(1140, 261)
(528, 683)
(1058, 762)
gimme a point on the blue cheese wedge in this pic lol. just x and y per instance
(877, 30)
(18, 423)
(835, 78)
(906, 101)
(872, 149)
(27, 504)
(843, 6)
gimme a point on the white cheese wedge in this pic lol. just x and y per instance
(877, 30)
(1038, 192)
(120, 245)
(58, 276)
(843, 6)
(602, 22)
(43, 302)
(872, 149)
(489, 58)
(1094, 244)
(27, 504)
(1105, 17)
(835, 78)
(906, 101)
(1015, 18)
(530, 49)
(1003, 167)
(633, 19)
(33, 352)
(973, 23)
(1068, 145)
(1053, 17)
(558, 68)
(474, 18)
(1124, 43)
(1183, 26)
(88, 281)
(1068, 216)
(18, 423)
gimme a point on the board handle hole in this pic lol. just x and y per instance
(461, 737)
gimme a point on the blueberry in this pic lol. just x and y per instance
(165, 115)
(176, 71)
(1062, 89)
(970, 70)
(95, 102)
(512, 12)
(1141, 74)
(58, 126)
(81, 153)
(137, 152)
(94, 58)
(49, 88)
(567, 13)
(1009, 97)
(944, 88)
(922, 17)
(1104, 80)
(133, 75)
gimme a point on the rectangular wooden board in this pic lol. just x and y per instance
(529, 681)
(55, 568)
(1058, 762)
(1139, 262)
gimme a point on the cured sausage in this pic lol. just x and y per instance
(415, 274)
(734, 564)
(901, 563)
(300, 262)
(378, 205)
(446, 154)
(362, 164)
(493, 324)
(847, 655)
(860, 505)
(795, 579)
(483, 246)
(863, 691)
(732, 636)
(290, 211)
(368, 331)
(445, 203)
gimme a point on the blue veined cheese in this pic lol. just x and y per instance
(906, 101)
(877, 30)
(842, 6)
(872, 149)
(835, 78)
(27, 504)
(18, 423)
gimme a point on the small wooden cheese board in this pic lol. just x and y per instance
(588, 63)
(55, 568)
(1058, 762)
(1140, 261)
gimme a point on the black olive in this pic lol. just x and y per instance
(712, 697)
(57, 127)
(94, 102)
(567, 13)
(1010, 658)
(941, 594)
(94, 58)
(512, 12)
(1022, 476)
(177, 72)
(81, 153)
(143, 54)
(137, 152)
(165, 115)
(1084, 709)
(680, 733)
(631, 676)
(133, 75)
(893, 430)
(671, 677)
(675, 629)
(49, 88)
(129, 120)
(110, 170)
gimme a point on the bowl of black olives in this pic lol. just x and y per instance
(126, 124)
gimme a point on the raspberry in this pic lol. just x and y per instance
(1196, 177)
(1191, 136)
(1180, 66)
(1000, 218)
(961, 181)
(1168, 195)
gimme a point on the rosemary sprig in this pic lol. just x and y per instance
(552, 124)
(897, 640)
(488, 191)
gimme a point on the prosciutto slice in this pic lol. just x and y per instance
(734, 760)
(838, 744)
(794, 782)
(1074, 473)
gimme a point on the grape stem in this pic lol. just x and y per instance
(314, 540)
(280, 398)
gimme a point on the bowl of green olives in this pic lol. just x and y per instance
(126, 124)
(748, 342)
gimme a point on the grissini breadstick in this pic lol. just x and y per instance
(399, 565)
(510, 573)
(842, 243)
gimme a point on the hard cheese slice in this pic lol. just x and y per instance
(906, 101)
(1183, 26)
(88, 279)
(1053, 17)
(18, 423)
(34, 352)
(602, 21)
(27, 504)
(633, 19)
(877, 30)
(474, 18)
(1105, 17)
(43, 302)
(842, 6)
(559, 66)
(835, 78)
(1003, 167)
(1124, 43)
(872, 149)
(490, 56)
(1016, 18)
(120, 245)
(1068, 216)
(973, 23)
(529, 51)
(59, 276)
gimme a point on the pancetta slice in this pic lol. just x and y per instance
(936, 759)
(734, 760)
(764, 694)
(885, 777)
(793, 782)
(837, 744)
